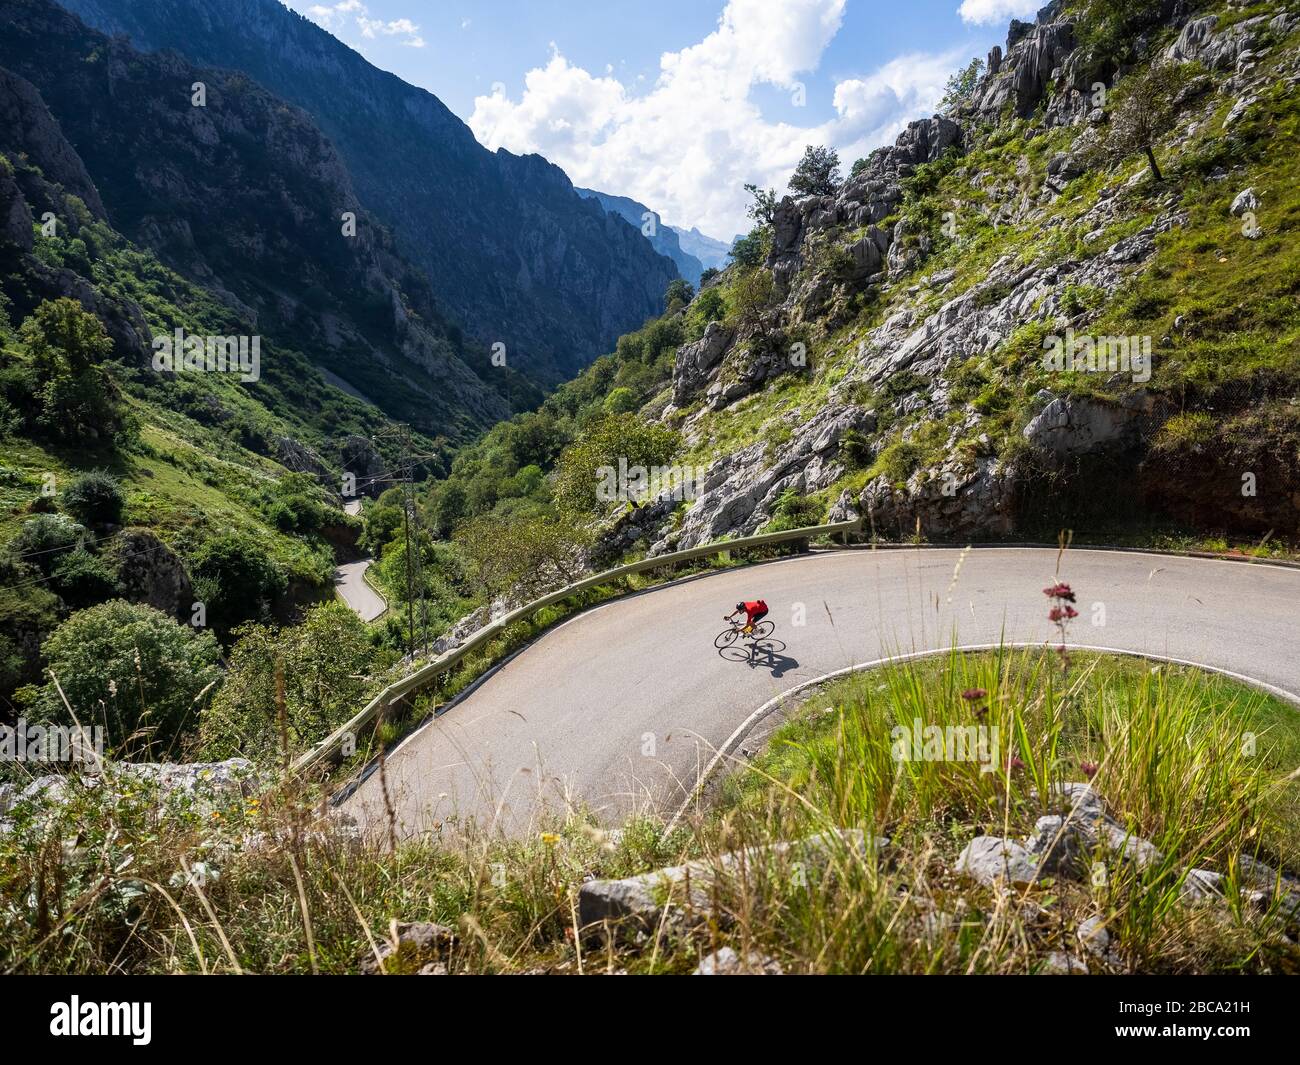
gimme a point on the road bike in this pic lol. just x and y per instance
(735, 631)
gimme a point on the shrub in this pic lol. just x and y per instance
(750, 296)
(133, 670)
(620, 401)
(621, 436)
(82, 579)
(679, 292)
(42, 539)
(95, 498)
(855, 449)
(236, 578)
(322, 665)
(749, 251)
(794, 511)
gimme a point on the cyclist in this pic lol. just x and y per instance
(754, 613)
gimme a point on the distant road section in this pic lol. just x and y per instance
(350, 580)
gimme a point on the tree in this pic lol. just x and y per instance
(534, 438)
(707, 277)
(521, 556)
(449, 508)
(961, 85)
(750, 296)
(679, 292)
(132, 670)
(763, 208)
(620, 441)
(749, 251)
(818, 173)
(75, 395)
(95, 498)
(1147, 111)
(382, 521)
(322, 665)
(620, 401)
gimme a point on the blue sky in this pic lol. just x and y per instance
(676, 102)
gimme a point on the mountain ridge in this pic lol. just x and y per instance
(665, 239)
(517, 256)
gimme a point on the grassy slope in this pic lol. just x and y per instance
(206, 448)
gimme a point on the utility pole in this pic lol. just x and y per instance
(406, 467)
(411, 529)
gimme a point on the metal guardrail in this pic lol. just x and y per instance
(444, 662)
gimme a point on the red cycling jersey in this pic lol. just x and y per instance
(754, 611)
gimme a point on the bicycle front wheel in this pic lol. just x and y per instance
(725, 638)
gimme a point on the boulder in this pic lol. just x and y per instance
(992, 859)
(1245, 200)
(1058, 847)
(1093, 937)
(682, 895)
(1070, 427)
(150, 572)
(1081, 831)
(418, 947)
(1059, 963)
(1201, 885)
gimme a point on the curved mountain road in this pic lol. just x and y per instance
(622, 706)
(350, 583)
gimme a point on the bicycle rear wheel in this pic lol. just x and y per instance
(763, 630)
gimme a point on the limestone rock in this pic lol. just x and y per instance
(992, 860)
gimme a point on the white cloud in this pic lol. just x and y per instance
(335, 17)
(686, 143)
(873, 110)
(991, 12)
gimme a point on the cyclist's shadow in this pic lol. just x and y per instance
(761, 654)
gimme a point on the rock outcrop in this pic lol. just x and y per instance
(741, 490)
(149, 572)
(683, 895)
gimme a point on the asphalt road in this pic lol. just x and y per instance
(622, 706)
(350, 582)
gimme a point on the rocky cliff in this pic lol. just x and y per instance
(510, 249)
(893, 354)
(664, 239)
